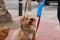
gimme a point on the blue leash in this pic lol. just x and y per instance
(40, 7)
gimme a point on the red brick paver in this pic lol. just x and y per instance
(46, 31)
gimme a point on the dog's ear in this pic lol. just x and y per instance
(22, 20)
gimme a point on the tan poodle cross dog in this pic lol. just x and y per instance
(26, 31)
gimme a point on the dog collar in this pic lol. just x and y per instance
(24, 29)
(31, 31)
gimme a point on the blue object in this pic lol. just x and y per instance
(40, 8)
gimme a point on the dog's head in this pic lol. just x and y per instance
(29, 19)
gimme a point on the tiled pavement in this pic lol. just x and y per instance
(47, 31)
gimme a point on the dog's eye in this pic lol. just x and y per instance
(21, 39)
(26, 18)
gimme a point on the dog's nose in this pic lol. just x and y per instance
(31, 19)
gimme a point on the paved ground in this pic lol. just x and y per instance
(12, 4)
(48, 22)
